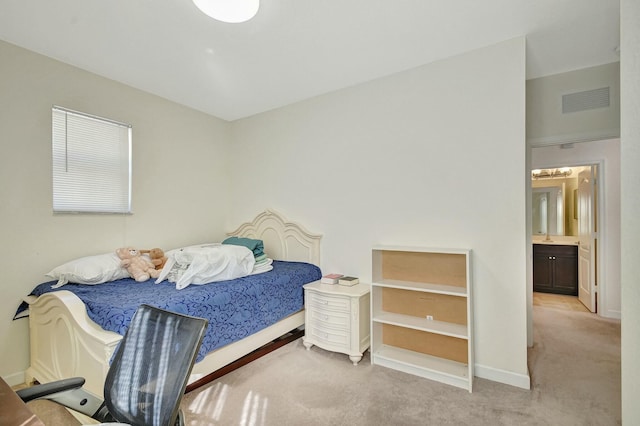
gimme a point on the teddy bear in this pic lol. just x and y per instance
(139, 267)
(157, 257)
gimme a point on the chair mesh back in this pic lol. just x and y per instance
(151, 367)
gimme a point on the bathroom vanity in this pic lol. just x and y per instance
(555, 268)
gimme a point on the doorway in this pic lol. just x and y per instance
(564, 205)
(605, 154)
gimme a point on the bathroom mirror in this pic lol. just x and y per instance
(553, 194)
(548, 211)
(554, 208)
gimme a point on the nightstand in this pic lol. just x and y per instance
(337, 318)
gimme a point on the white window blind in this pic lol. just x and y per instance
(91, 163)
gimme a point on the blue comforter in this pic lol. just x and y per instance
(235, 308)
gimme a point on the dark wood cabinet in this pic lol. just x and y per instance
(555, 269)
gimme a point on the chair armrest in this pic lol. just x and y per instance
(66, 392)
(46, 389)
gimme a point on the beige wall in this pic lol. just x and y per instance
(630, 154)
(180, 180)
(410, 159)
(547, 125)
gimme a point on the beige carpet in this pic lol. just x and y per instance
(574, 366)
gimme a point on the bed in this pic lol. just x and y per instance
(66, 342)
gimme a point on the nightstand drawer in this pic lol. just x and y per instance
(328, 336)
(327, 318)
(335, 303)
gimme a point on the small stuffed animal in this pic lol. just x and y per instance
(139, 267)
(157, 257)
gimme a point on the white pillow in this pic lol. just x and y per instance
(89, 270)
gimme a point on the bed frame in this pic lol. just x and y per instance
(65, 342)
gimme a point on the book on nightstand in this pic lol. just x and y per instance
(348, 281)
(331, 278)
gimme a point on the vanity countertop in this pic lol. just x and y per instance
(557, 240)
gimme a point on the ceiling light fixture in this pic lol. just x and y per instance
(231, 11)
(551, 173)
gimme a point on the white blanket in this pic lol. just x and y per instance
(264, 266)
(206, 263)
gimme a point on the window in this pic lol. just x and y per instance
(91, 163)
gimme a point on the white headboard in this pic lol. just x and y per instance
(283, 240)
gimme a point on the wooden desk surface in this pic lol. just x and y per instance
(13, 411)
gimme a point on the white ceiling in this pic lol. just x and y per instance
(296, 49)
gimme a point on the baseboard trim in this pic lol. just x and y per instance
(502, 376)
(15, 379)
(612, 314)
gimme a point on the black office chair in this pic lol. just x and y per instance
(147, 377)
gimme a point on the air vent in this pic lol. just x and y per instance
(582, 101)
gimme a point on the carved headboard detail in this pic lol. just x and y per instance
(283, 240)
